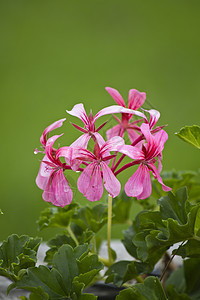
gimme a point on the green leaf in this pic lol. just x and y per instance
(121, 208)
(174, 295)
(1, 213)
(55, 244)
(72, 270)
(129, 234)
(16, 254)
(65, 262)
(173, 206)
(184, 283)
(190, 249)
(91, 218)
(191, 135)
(49, 281)
(197, 223)
(57, 216)
(176, 180)
(121, 272)
(153, 232)
(177, 280)
(151, 289)
(192, 277)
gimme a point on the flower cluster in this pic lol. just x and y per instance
(99, 168)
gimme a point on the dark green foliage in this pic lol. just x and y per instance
(73, 270)
(17, 254)
(151, 289)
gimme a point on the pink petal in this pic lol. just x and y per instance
(160, 138)
(90, 182)
(81, 142)
(146, 184)
(136, 99)
(79, 111)
(84, 155)
(154, 116)
(66, 152)
(114, 131)
(51, 127)
(114, 109)
(114, 144)
(99, 138)
(111, 183)
(158, 177)
(43, 174)
(116, 96)
(147, 133)
(139, 184)
(49, 147)
(132, 151)
(58, 191)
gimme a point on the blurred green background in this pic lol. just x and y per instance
(55, 54)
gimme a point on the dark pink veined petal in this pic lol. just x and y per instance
(44, 137)
(79, 111)
(154, 116)
(135, 185)
(66, 152)
(114, 131)
(132, 151)
(115, 109)
(58, 191)
(116, 96)
(81, 142)
(160, 139)
(44, 173)
(90, 182)
(152, 148)
(111, 183)
(147, 133)
(146, 184)
(114, 144)
(49, 147)
(81, 155)
(133, 112)
(158, 177)
(136, 99)
(99, 138)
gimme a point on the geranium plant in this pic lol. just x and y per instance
(169, 211)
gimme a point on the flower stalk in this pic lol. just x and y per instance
(109, 224)
(72, 235)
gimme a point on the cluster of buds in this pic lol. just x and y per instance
(99, 168)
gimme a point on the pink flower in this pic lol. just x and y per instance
(51, 178)
(135, 101)
(89, 129)
(139, 184)
(90, 181)
(45, 135)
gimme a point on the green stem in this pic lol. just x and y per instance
(72, 235)
(105, 261)
(195, 237)
(109, 228)
(139, 279)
